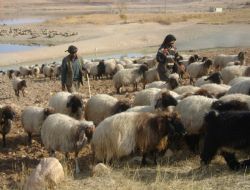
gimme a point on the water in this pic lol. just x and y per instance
(8, 48)
(21, 21)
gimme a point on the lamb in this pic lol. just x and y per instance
(171, 84)
(102, 106)
(231, 72)
(192, 111)
(18, 84)
(32, 119)
(25, 71)
(234, 133)
(213, 78)
(221, 60)
(242, 87)
(60, 132)
(198, 69)
(129, 76)
(67, 103)
(7, 114)
(124, 133)
(148, 96)
(216, 89)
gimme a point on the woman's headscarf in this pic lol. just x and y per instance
(169, 38)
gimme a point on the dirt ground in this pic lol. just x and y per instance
(17, 160)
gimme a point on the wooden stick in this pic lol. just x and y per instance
(88, 85)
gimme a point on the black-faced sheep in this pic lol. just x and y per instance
(67, 103)
(221, 61)
(129, 76)
(128, 132)
(60, 132)
(226, 130)
(18, 84)
(213, 78)
(198, 69)
(32, 119)
(102, 106)
(6, 116)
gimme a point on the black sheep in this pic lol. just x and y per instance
(226, 130)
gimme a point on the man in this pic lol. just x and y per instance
(71, 70)
(166, 58)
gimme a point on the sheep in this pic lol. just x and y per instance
(226, 130)
(221, 60)
(186, 89)
(192, 111)
(7, 114)
(213, 78)
(60, 132)
(18, 84)
(231, 72)
(150, 76)
(242, 87)
(148, 96)
(239, 97)
(124, 133)
(25, 71)
(32, 119)
(48, 71)
(229, 105)
(35, 71)
(12, 72)
(216, 89)
(129, 76)
(198, 69)
(164, 100)
(94, 70)
(118, 67)
(101, 106)
(237, 79)
(67, 103)
(110, 67)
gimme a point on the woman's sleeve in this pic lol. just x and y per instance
(160, 57)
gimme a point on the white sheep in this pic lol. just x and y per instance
(60, 132)
(94, 70)
(102, 106)
(198, 69)
(192, 111)
(35, 71)
(146, 96)
(67, 103)
(48, 71)
(238, 97)
(242, 87)
(25, 71)
(18, 84)
(231, 72)
(118, 67)
(127, 132)
(129, 76)
(221, 60)
(110, 66)
(32, 119)
(216, 89)
(151, 75)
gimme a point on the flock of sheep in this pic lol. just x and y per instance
(209, 114)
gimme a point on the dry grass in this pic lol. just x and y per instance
(233, 16)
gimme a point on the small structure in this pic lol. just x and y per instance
(216, 9)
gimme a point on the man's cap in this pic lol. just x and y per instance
(72, 49)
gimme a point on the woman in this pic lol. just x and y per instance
(166, 57)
